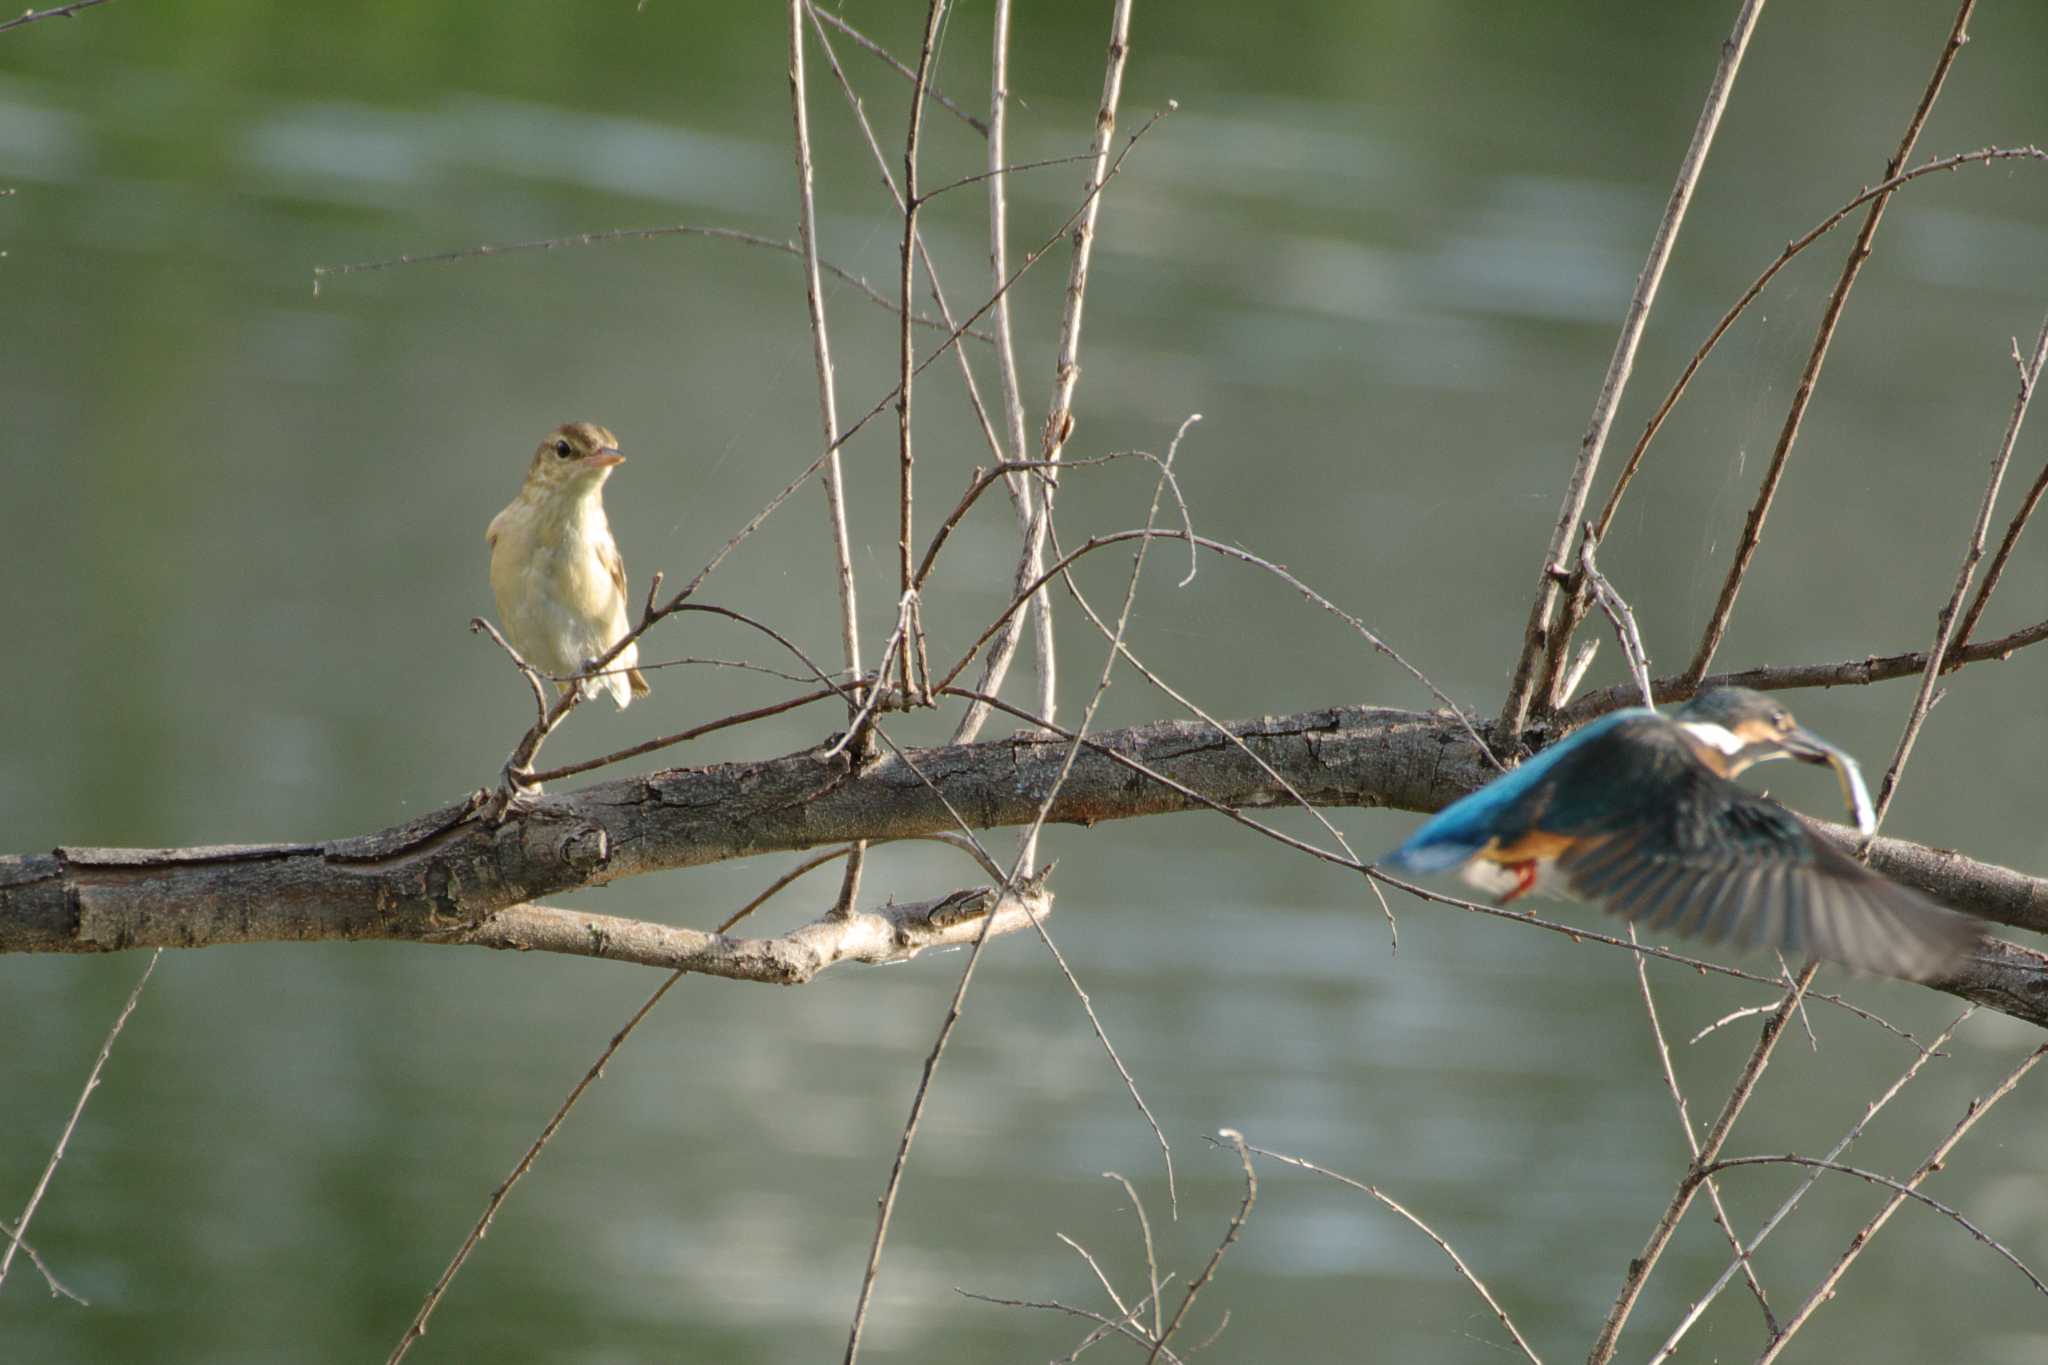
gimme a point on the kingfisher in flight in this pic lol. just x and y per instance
(1639, 814)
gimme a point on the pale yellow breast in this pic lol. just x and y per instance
(556, 598)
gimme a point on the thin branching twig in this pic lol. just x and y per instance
(1236, 1142)
(1692, 1141)
(1638, 1272)
(1825, 1290)
(1535, 636)
(1973, 552)
(13, 1235)
(1426, 1230)
(1791, 1201)
(1831, 316)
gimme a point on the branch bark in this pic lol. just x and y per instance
(451, 877)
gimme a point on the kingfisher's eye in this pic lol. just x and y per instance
(563, 449)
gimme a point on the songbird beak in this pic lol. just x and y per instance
(1807, 747)
(605, 458)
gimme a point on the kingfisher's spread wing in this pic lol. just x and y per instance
(1723, 864)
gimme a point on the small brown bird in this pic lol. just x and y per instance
(556, 571)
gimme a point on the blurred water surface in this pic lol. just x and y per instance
(1382, 247)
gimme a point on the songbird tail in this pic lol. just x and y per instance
(639, 681)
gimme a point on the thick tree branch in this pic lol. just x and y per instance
(450, 877)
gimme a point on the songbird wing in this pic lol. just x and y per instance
(1723, 864)
(615, 565)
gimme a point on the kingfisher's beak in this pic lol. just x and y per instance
(1807, 747)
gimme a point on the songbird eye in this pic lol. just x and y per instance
(563, 449)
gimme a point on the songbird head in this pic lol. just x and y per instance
(575, 453)
(1745, 727)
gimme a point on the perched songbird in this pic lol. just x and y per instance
(1637, 814)
(560, 583)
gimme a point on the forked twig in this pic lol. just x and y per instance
(1773, 678)
(931, 92)
(1898, 1186)
(1426, 1230)
(1035, 517)
(887, 1203)
(1639, 1268)
(1831, 316)
(1973, 551)
(12, 1236)
(1618, 612)
(1825, 1290)
(1105, 1324)
(1151, 1255)
(1791, 1201)
(1236, 1142)
(1535, 636)
(1692, 1141)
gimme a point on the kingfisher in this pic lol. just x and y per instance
(1639, 813)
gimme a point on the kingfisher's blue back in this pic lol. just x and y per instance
(1468, 824)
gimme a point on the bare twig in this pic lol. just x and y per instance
(1024, 492)
(1535, 636)
(649, 746)
(1638, 1273)
(418, 1327)
(1898, 1186)
(907, 350)
(58, 1289)
(931, 271)
(888, 1200)
(1982, 156)
(1557, 689)
(1825, 1290)
(1831, 316)
(1151, 1256)
(1426, 1230)
(804, 476)
(1236, 1142)
(808, 865)
(14, 1235)
(1100, 1278)
(1294, 794)
(527, 670)
(821, 350)
(646, 234)
(1791, 1201)
(1692, 1141)
(1059, 420)
(1130, 1082)
(54, 12)
(931, 92)
(886, 1205)
(996, 171)
(1618, 612)
(2020, 517)
(1973, 551)
(1780, 677)
(1105, 1324)
(1243, 556)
